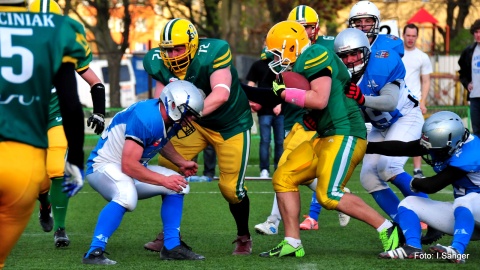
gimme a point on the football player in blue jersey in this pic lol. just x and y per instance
(379, 89)
(118, 167)
(452, 151)
(365, 16)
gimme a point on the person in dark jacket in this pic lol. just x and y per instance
(469, 63)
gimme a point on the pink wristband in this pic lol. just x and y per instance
(295, 96)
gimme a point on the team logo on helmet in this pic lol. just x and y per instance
(191, 32)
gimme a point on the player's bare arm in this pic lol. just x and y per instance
(187, 167)
(158, 89)
(220, 82)
(318, 97)
(132, 153)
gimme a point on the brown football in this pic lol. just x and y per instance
(295, 80)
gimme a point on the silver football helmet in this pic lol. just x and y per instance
(443, 133)
(365, 9)
(182, 99)
(351, 41)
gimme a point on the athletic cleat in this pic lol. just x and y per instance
(60, 238)
(243, 245)
(405, 252)
(284, 249)
(97, 257)
(180, 252)
(431, 236)
(155, 245)
(45, 218)
(449, 253)
(309, 223)
(343, 218)
(391, 238)
(418, 174)
(268, 227)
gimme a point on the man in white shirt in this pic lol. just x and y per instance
(417, 78)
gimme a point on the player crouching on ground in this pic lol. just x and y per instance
(118, 167)
(452, 151)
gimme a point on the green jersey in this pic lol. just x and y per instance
(341, 116)
(33, 46)
(231, 118)
(292, 113)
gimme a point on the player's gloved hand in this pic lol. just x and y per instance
(309, 122)
(73, 181)
(96, 121)
(278, 85)
(354, 92)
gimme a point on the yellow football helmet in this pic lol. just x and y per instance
(45, 6)
(178, 32)
(305, 15)
(286, 41)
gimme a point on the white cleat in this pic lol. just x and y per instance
(268, 227)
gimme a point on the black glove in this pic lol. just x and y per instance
(309, 122)
(278, 85)
(96, 121)
(354, 92)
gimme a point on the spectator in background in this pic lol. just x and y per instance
(418, 69)
(469, 63)
(260, 75)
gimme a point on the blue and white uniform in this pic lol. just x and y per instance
(388, 42)
(460, 218)
(142, 122)
(402, 124)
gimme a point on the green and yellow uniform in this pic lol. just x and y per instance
(341, 141)
(227, 129)
(33, 47)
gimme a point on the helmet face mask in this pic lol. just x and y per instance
(442, 135)
(286, 41)
(358, 18)
(182, 101)
(353, 47)
(306, 16)
(175, 35)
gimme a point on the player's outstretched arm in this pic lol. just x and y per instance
(97, 120)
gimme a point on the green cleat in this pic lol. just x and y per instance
(390, 238)
(284, 249)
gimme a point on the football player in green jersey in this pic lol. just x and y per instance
(340, 144)
(56, 202)
(226, 121)
(36, 51)
(295, 129)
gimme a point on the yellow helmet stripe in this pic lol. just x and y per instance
(316, 61)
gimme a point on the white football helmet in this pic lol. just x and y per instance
(365, 9)
(352, 40)
(443, 133)
(181, 99)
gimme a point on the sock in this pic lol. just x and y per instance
(240, 212)
(417, 169)
(276, 210)
(385, 225)
(108, 221)
(294, 242)
(463, 228)
(44, 201)
(315, 207)
(402, 182)
(410, 224)
(59, 202)
(388, 201)
(171, 214)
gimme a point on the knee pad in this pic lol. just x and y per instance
(408, 202)
(114, 185)
(370, 180)
(466, 201)
(326, 202)
(389, 167)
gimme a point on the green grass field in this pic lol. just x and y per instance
(208, 227)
